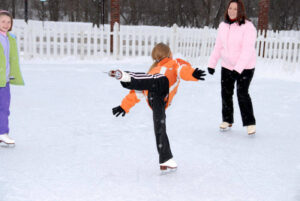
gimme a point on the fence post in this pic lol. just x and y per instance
(173, 42)
(116, 43)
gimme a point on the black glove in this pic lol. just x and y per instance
(211, 70)
(199, 74)
(118, 110)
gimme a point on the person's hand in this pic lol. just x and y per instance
(199, 74)
(211, 70)
(118, 110)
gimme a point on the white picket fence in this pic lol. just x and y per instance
(67, 39)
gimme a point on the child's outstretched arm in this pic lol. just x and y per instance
(187, 73)
(127, 103)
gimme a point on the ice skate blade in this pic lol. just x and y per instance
(162, 167)
(7, 145)
(225, 129)
(167, 170)
(252, 134)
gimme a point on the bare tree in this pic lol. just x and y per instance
(13, 5)
(220, 13)
(37, 6)
(54, 9)
(4, 4)
(284, 14)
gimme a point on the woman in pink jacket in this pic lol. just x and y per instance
(235, 45)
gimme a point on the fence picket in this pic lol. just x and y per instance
(127, 42)
(48, 45)
(108, 35)
(146, 51)
(121, 53)
(140, 44)
(133, 44)
(101, 42)
(298, 55)
(88, 42)
(116, 41)
(62, 41)
(289, 52)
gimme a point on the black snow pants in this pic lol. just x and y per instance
(243, 81)
(158, 89)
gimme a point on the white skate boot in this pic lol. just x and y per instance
(6, 139)
(169, 164)
(251, 129)
(225, 126)
(120, 75)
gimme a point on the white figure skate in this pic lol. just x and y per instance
(168, 165)
(224, 126)
(119, 75)
(251, 129)
(6, 139)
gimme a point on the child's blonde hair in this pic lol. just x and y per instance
(5, 12)
(159, 52)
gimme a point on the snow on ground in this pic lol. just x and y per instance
(71, 148)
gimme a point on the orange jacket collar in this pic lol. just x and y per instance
(164, 61)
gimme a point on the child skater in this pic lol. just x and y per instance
(159, 86)
(9, 72)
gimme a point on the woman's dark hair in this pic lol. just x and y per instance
(241, 12)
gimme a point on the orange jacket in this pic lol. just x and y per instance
(173, 70)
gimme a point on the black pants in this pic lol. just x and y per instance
(158, 89)
(227, 87)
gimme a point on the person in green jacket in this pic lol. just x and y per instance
(9, 72)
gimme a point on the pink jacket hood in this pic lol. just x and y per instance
(235, 45)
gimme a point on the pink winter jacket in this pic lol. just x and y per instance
(235, 45)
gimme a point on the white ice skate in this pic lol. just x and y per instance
(120, 75)
(251, 129)
(169, 164)
(6, 139)
(225, 126)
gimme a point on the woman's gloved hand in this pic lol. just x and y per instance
(211, 70)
